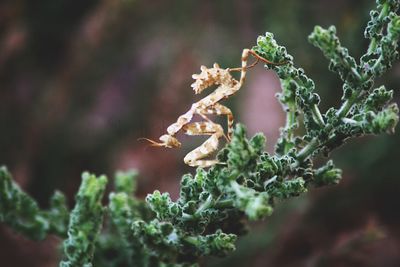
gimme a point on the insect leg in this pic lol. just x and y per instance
(245, 56)
(220, 109)
(169, 140)
(196, 157)
(181, 121)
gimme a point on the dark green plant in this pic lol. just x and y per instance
(215, 204)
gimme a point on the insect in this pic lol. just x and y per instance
(227, 86)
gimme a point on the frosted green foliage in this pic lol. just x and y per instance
(360, 112)
(23, 214)
(217, 244)
(85, 222)
(125, 182)
(327, 175)
(340, 60)
(383, 30)
(57, 215)
(118, 240)
(214, 205)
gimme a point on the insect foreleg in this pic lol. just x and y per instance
(181, 121)
(169, 140)
(220, 109)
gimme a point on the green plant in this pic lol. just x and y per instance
(214, 205)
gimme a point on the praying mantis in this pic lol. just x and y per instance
(209, 105)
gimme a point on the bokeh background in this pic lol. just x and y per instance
(81, 81)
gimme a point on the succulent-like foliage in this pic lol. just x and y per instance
(85, 222)
(22, 213)
(214, 204)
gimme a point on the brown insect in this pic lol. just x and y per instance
(227, 86)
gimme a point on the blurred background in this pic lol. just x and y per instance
(81, 81)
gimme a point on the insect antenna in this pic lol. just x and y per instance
(152, 143)
(247, 67)
(258, 59)
(254, 54)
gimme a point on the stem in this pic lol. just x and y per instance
(207, 204)
(290, 121)
(317, 115)
(226, 203)
(187, 217)
(348, 104)
(270, 181)
(377, 62)
(204, 206)
(372, 46)
(345, 108)
(307, 150)
(236, 187)
(288, 131)
(357, 74)
(192, 240)
(384, 11)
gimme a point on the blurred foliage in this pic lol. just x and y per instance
(80, 81)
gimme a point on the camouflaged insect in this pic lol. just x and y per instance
(209, 105)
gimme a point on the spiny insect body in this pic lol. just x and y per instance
(209, 105)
